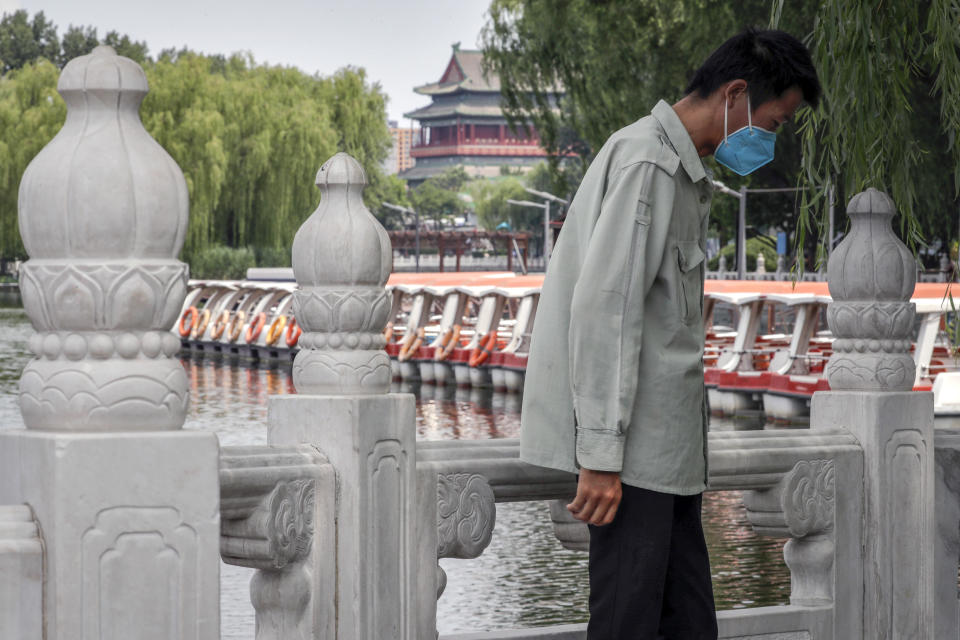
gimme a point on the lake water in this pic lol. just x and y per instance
(523, 579)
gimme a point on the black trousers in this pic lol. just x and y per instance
(650, 572)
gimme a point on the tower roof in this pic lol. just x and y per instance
(464, 72)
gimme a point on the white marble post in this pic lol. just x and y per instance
(127, 502)
(871, 373)
(341, 260)
(21, 574)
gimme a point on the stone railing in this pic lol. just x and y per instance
(791, 482)
(113, 519)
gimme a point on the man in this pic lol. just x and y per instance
(614, 387)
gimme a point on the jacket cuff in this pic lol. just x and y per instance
(599, 450)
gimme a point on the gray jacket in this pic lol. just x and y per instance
(614, 380)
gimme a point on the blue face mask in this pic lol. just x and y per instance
(747, 149)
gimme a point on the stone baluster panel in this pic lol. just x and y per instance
(127, 501)
(272, 501)
(802, 508)
(341, 260)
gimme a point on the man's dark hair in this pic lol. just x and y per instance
(770, 61)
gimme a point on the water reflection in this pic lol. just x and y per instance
(15, 330)
(525, 578)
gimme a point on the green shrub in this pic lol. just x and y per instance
(754, 246)
(272, 257)
(222, 263)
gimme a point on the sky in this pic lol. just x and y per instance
(401, 44)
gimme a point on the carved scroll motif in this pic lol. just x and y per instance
(808, 498)
(465, 515)
(268, 505)
(290, 531)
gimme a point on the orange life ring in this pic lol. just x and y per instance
(256, 326)
(220, 325)
(235, 328)
(192, 314)
(276, 329)
(482, 351)
(201, 326)
(293, 332)
(411, 343)
(449, 341)
(388, 332)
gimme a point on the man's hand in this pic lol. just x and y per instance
(598, 496)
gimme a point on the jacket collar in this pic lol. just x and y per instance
(680, 139)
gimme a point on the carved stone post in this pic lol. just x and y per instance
(871, 373)
(342, 259)
(947, 607)
(127, 502)
(21, 574)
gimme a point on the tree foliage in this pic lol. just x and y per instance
(438, 197)
(614, 61)
(248, 137)
(31, 113)
(493, 209)
(890, 117)
(23, 40)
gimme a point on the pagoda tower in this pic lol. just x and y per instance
(465, 125)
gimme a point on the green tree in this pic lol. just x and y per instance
(537, 45)
(890, 117)
(358, 115)
(490, 197)
(23, 40)
(431, 200)
(77, 41)
(249, 139)
(387, 188)
(183, 114)
(453, 179)
(31, 113)
(558, 178)
(127, 47)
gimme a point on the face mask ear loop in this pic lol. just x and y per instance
(749, 116)
(726, 108)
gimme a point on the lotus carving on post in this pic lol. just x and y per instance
(103, 214)
(872, 275)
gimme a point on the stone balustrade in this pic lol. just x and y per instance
(126, 502)
(868, 498)
(791, 484)
(113, 519)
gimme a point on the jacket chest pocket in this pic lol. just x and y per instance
(689, 259)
